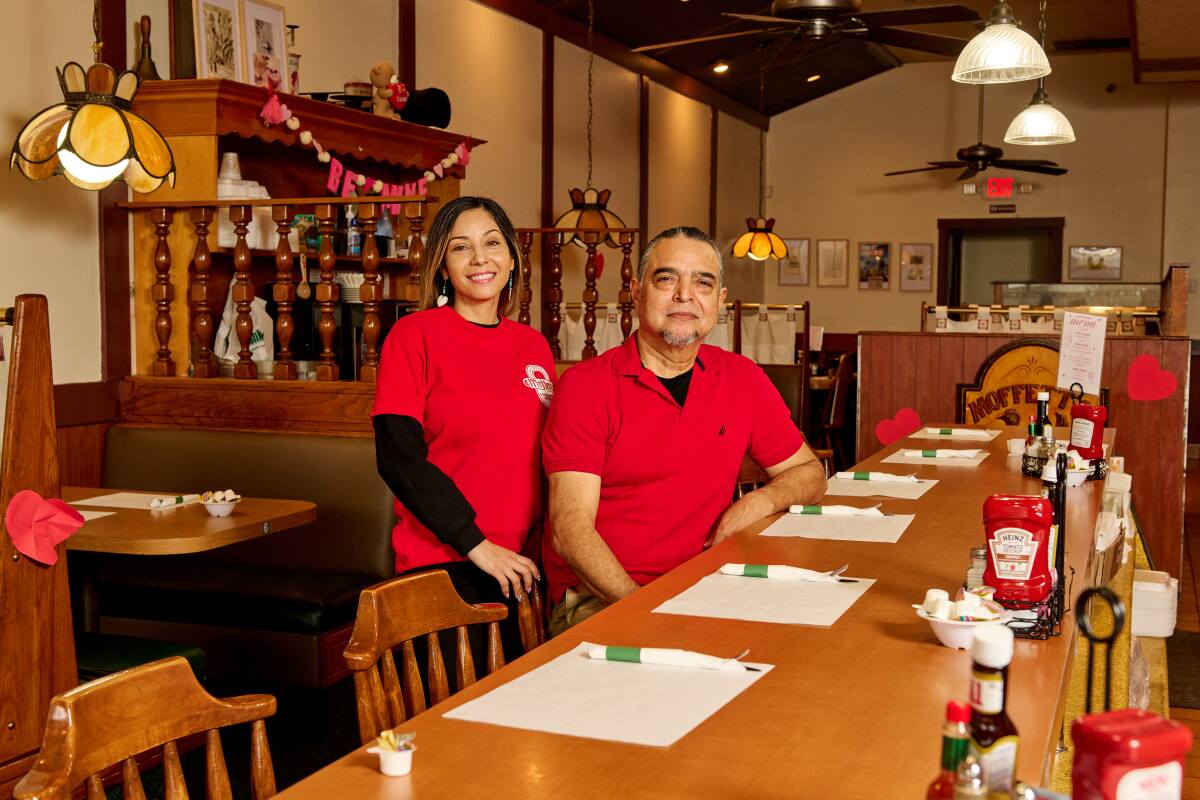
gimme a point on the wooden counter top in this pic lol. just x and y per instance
(852, 711)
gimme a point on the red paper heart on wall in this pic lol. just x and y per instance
(36, 526)
(599, 265)
(1148, 381)
(902, 424)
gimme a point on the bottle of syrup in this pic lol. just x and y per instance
(994, 738)
(956, 739)
(1043, 414)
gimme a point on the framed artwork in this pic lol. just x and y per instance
(1094, 263)
(265, 51)
(874, 265)
(793, 270)
(916, 267)
(833, 262)
(218, 31)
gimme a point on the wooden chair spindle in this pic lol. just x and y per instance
(262, 769)
(438, 683)
(173, 782)
(393, 692)
(495, 648)
(131, 781)
(464, 667)
(216, 775)
(414, 689)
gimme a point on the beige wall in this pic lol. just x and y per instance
(737, 198)
(680, 161)
(1181, 230)
(826, 161)
(340, 42)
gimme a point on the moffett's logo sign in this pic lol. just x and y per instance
(1008, 382)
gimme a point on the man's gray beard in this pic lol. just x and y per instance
(680, 340)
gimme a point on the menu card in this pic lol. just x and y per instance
(1081, 351)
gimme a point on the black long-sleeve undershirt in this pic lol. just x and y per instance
(402, 458)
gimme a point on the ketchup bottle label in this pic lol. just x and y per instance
(1081, 432)
(1012, 553)
(1164, 782)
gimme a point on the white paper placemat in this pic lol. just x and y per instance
(119, 500)
(766, 600)
(847, 529)
(905, 491)
(613, 700)
(974, 434)
(898, 457)
(86, 514)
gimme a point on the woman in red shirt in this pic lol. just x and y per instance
(460, 402)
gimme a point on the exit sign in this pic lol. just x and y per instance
(999, 187)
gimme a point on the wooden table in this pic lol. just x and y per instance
(187, 529)
(852, 711)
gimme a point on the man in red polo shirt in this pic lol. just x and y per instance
(643, 443)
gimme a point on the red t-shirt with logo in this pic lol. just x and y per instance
(482, 395)
(666, 473)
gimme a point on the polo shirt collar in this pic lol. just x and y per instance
(628, 361)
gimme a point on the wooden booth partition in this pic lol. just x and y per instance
(922, 372)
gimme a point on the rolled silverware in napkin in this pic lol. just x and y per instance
(778, 571)
(836, 511)
(878, 477)
(174, 500)
(941, 453)
(969, 433)
(665, 657)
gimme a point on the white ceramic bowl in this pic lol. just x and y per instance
(956, 633)
(220, 509)
(394, 763)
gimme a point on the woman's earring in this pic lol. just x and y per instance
(511, 272)
(443, 296)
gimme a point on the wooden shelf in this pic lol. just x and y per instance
(396, 263)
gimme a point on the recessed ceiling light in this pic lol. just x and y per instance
(720, 66)
(812, 78)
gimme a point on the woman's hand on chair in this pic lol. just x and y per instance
(513, 571)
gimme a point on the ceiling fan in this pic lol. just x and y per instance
(825, 19)
(979, 156)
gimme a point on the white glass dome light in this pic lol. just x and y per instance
(1001, 53)
(1040, 123)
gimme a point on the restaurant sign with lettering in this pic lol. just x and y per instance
(1007, 384)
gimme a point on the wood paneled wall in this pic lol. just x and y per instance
(81, 454)
(922, 371)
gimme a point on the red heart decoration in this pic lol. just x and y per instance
(599, 265)
(902, 424)
(36, 526)
(1148, 381)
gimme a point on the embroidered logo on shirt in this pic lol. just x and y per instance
(539, 380)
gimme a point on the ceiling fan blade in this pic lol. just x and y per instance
(918, 16)
(923, 169)
(714, 38)
(947, 164)
(1040, 162)
(761, 18)
(914, 40)
(1026, 166)
(967, 174)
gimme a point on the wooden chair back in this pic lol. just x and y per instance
(833, 415)
(395, 613)
(111, 720)
(791, 381)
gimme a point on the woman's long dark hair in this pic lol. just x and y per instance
(439, 240)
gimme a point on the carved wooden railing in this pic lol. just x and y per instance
(553, 240)
(203, 304)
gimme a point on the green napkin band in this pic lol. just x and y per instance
(945, 431)
(810, 510)
(929, 453)
(755, 571)
(862, 476)
(631, 654)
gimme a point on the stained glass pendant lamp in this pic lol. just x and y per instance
(1040, 123)
(93, 137)
(1001, 53)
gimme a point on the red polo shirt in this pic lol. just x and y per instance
(666, 473)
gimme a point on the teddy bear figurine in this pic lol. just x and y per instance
(390, 95)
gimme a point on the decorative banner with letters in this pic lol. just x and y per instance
(1008, 382)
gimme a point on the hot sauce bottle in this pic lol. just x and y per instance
(955, 742)
(994, 738)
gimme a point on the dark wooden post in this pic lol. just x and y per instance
(162, 292)
(243, 292)
(371, 291)
(625, 297)
(554, 296)
(415, 214)
(590, 295)
(737, 326)
(525, 239)
(327, 292)
(203, 363)
(284, 293)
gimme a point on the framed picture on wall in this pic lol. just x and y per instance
(832, 262)
(916, 267)
(265, 50)
(218, 29)
(793, 270)
(1094, 263)
(874, 265)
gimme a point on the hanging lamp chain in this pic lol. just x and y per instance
(98, 45)
(762, 143)
(591, 60)
(1042, 37)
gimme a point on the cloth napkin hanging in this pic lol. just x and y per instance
(778, 571)
(836, 511)
(880, 477)
(940, 453)
(665, 657)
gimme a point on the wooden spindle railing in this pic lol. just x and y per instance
(415, 214)
(590, 295)
(525, 241)
(327, 292)
(284, 293)
(243, 291)
(370, 292)
(204, 363)
(554, 296)
(625, 296)
(162, 292)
